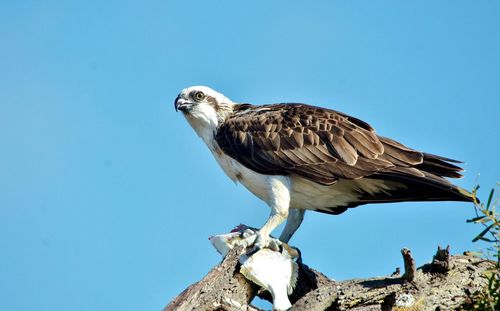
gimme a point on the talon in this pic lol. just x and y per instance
(256, 241)
(246, 239)
(266, 242)
(275, 245)
(248, 232)
(261, 242)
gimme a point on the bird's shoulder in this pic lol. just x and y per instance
(297, 124)
(291, 115)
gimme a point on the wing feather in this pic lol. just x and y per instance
(323, 146)
(300, 139)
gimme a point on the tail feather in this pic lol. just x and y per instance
(428, 188)
(396, 186)
(423, 182)
(440, 166)
(432, 185)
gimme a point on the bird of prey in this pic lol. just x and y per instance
(297, 157)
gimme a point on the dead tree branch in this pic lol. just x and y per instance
(448, 283)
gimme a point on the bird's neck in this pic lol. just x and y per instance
(206, 121)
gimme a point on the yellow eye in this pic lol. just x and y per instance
(198, 96)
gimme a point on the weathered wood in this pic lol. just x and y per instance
(431, 288)
(428, 291)
(223, 288)
(441, 261)
(410, 266)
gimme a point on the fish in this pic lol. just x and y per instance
(274, 271)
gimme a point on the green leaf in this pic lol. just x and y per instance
(489, 198)
(480, 235)
(476, 219)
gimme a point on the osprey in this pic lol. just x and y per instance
(297, 157)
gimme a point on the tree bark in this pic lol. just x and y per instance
(448, 283)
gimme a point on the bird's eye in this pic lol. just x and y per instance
(198, 96)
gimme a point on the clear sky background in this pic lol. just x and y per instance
(107, 197)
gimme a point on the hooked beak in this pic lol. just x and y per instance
(181, 104)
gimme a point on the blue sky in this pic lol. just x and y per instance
(107, 196)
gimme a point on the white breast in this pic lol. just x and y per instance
(258, 184)
(205, 125)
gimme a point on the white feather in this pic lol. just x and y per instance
(307, 194)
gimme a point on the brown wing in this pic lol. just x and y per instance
(324, 146)
(318, 144)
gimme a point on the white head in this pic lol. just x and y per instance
(204, 108)
(203, 103)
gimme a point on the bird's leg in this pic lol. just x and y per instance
(279, 202)
(263, 240)
(260, 239)
(295, 217)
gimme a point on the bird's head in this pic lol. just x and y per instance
(202, 104)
